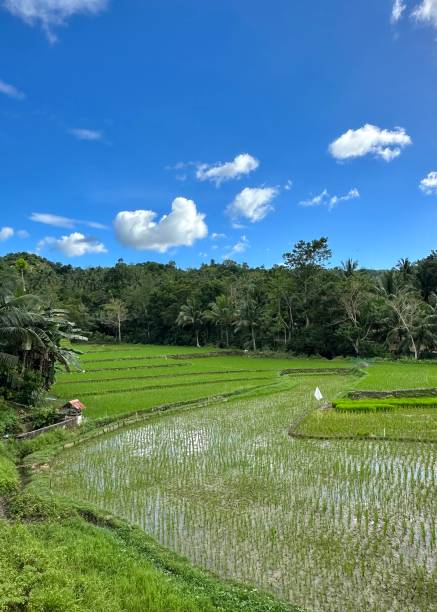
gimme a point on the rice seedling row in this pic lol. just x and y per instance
(335, 525)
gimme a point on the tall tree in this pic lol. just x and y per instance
(114, 314)
(221, 313)
(190, 315)
(306, 260)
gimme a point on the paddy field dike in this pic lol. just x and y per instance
(234, 465)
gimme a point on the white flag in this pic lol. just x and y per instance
(318, 394)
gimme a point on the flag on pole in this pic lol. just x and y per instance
(318, 394)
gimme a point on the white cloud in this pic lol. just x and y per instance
(429, 184)
(52, 13)
(288, 185)
(398, 9)
(181, 227)
(55, 220)
(253, 203)
(64, 222)
(370, 140)
(317, 200)
(324, 199)
(239, 247)
(216, 236)
(85, 134)
(74, 245)
(218, 173)
(426, 11)
(23, 234)
(11, 91)
(5, 233)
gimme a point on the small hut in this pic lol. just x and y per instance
(73, 408)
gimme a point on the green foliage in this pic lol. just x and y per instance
(9, 479)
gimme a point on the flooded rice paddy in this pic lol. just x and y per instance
(327, 525)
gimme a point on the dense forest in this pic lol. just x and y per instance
(304, 306)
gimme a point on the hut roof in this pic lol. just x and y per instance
(75, 403)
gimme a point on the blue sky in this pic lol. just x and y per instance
(251, 125)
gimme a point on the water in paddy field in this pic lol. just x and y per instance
(338, 525)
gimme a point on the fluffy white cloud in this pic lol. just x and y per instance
(429, 184)
(85, 134)
(216, 236)
(11, 91)
(399, 7)
(239, 247)
(426, 11)
(218, 173)
(324, 199)
(370, 140)
(5, 233)
(73, 245)
(253, 203)
(64, 222)
(52, 13)
(181, 227)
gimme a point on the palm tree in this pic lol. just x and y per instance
(349, 267)
(31, 337)
(190, 315)
(221, 313)
(247, 315)
(405, 267)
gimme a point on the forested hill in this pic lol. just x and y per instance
(304, 306)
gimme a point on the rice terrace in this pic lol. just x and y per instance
(335, 524)
(218, 306)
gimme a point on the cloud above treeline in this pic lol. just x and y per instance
(218, 173)
(86, 134)
(325, 199)
(8, 232)
(63, 222)
(252, 203)
(73, 245)
(140, 230)
(50, 14)
(424, 12)
(11, 91)
(429, 184)
(370, 140)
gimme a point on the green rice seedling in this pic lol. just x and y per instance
(327, 524)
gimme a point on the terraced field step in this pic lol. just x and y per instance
(345, 371)
(186, 384)
(139, 367)
(154, 376)
(165, 356)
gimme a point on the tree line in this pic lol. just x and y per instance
(304, 306)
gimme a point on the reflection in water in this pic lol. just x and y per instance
(328, 525)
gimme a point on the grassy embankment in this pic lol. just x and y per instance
(65, 556)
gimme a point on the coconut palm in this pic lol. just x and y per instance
(349, 267)
(221, 313)
(190, 315)
(31, 337)
(248, 314)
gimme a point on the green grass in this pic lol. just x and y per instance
(9, 479)
(116, 381)
(386, 376)
(400, 422)
(75, 566)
